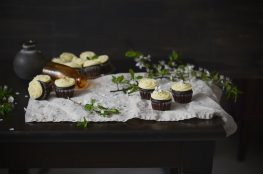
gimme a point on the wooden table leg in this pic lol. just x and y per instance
(197, 157)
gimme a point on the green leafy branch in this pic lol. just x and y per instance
(93, 106)
(6, 100)
(129, 85)
(175, 69)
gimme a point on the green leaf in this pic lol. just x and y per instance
(132, 54)
(82, 124)
(120, 79)
(174, 56)
(131, 73)
(139, 77)
(92, 58)
(88, 107)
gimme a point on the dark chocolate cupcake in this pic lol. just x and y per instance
(161, 100)
(146, 87)
(37, 90)
(46, 81)
(64, 87)
(182, 92)
(96, 66)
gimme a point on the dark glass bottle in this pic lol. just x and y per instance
(29, 61)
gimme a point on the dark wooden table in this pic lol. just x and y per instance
(184, 146)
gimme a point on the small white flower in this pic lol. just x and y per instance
(140, 65)
(1, 119)
(102, 111)
(221, 77)
(207, 72)
(132, 82)
(10, 99)
(198, 74)
(162, 62)
(227, 78)
(140, 57)
(167, 67)
(148, 57)
(190, 67)
(200, 69)
(95, 104)
(5, 87)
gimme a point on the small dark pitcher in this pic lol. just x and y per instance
(29, 61)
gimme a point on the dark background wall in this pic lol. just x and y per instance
(221, 34)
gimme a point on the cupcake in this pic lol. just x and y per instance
(146, 87)
(182, 92)
(64, 87)
(46, 81)
(161, 100)
(96, 66)
(37, 90)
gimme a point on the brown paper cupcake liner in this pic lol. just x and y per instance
(146, 93)
(67, 92)
(182, 96)
(161, 105)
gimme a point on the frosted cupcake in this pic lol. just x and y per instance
(96, 66)
(182, 92)
(45, 81)
(161, 100)
(64, 87)
(146, 87)
(37, 90)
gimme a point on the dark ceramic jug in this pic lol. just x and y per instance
(29, 61)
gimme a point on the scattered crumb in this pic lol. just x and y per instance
(26, 96)
(12, 129)
(17, 93)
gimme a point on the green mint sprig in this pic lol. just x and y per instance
(93, 106)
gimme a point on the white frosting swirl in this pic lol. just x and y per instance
(43, 78)
(58, 60)
(35, 89)
(103, 58)
(73, 65)
(161, 95)
(88, 63)
(181, 86)
(87, 54)
(65, 82)
(67, 57)
(78, 61)
(147, 83)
